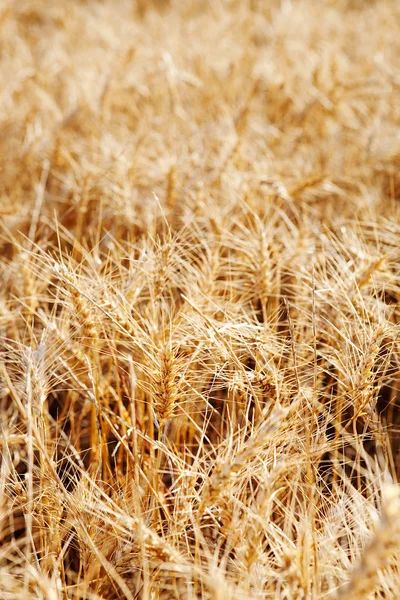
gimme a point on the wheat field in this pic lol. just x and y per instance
(200, 299)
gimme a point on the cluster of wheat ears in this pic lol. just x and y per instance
(200, 299)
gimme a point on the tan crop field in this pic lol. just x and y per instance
(199, 300)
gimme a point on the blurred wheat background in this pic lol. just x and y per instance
(199, 302)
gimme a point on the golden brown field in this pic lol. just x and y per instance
(200, 299)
